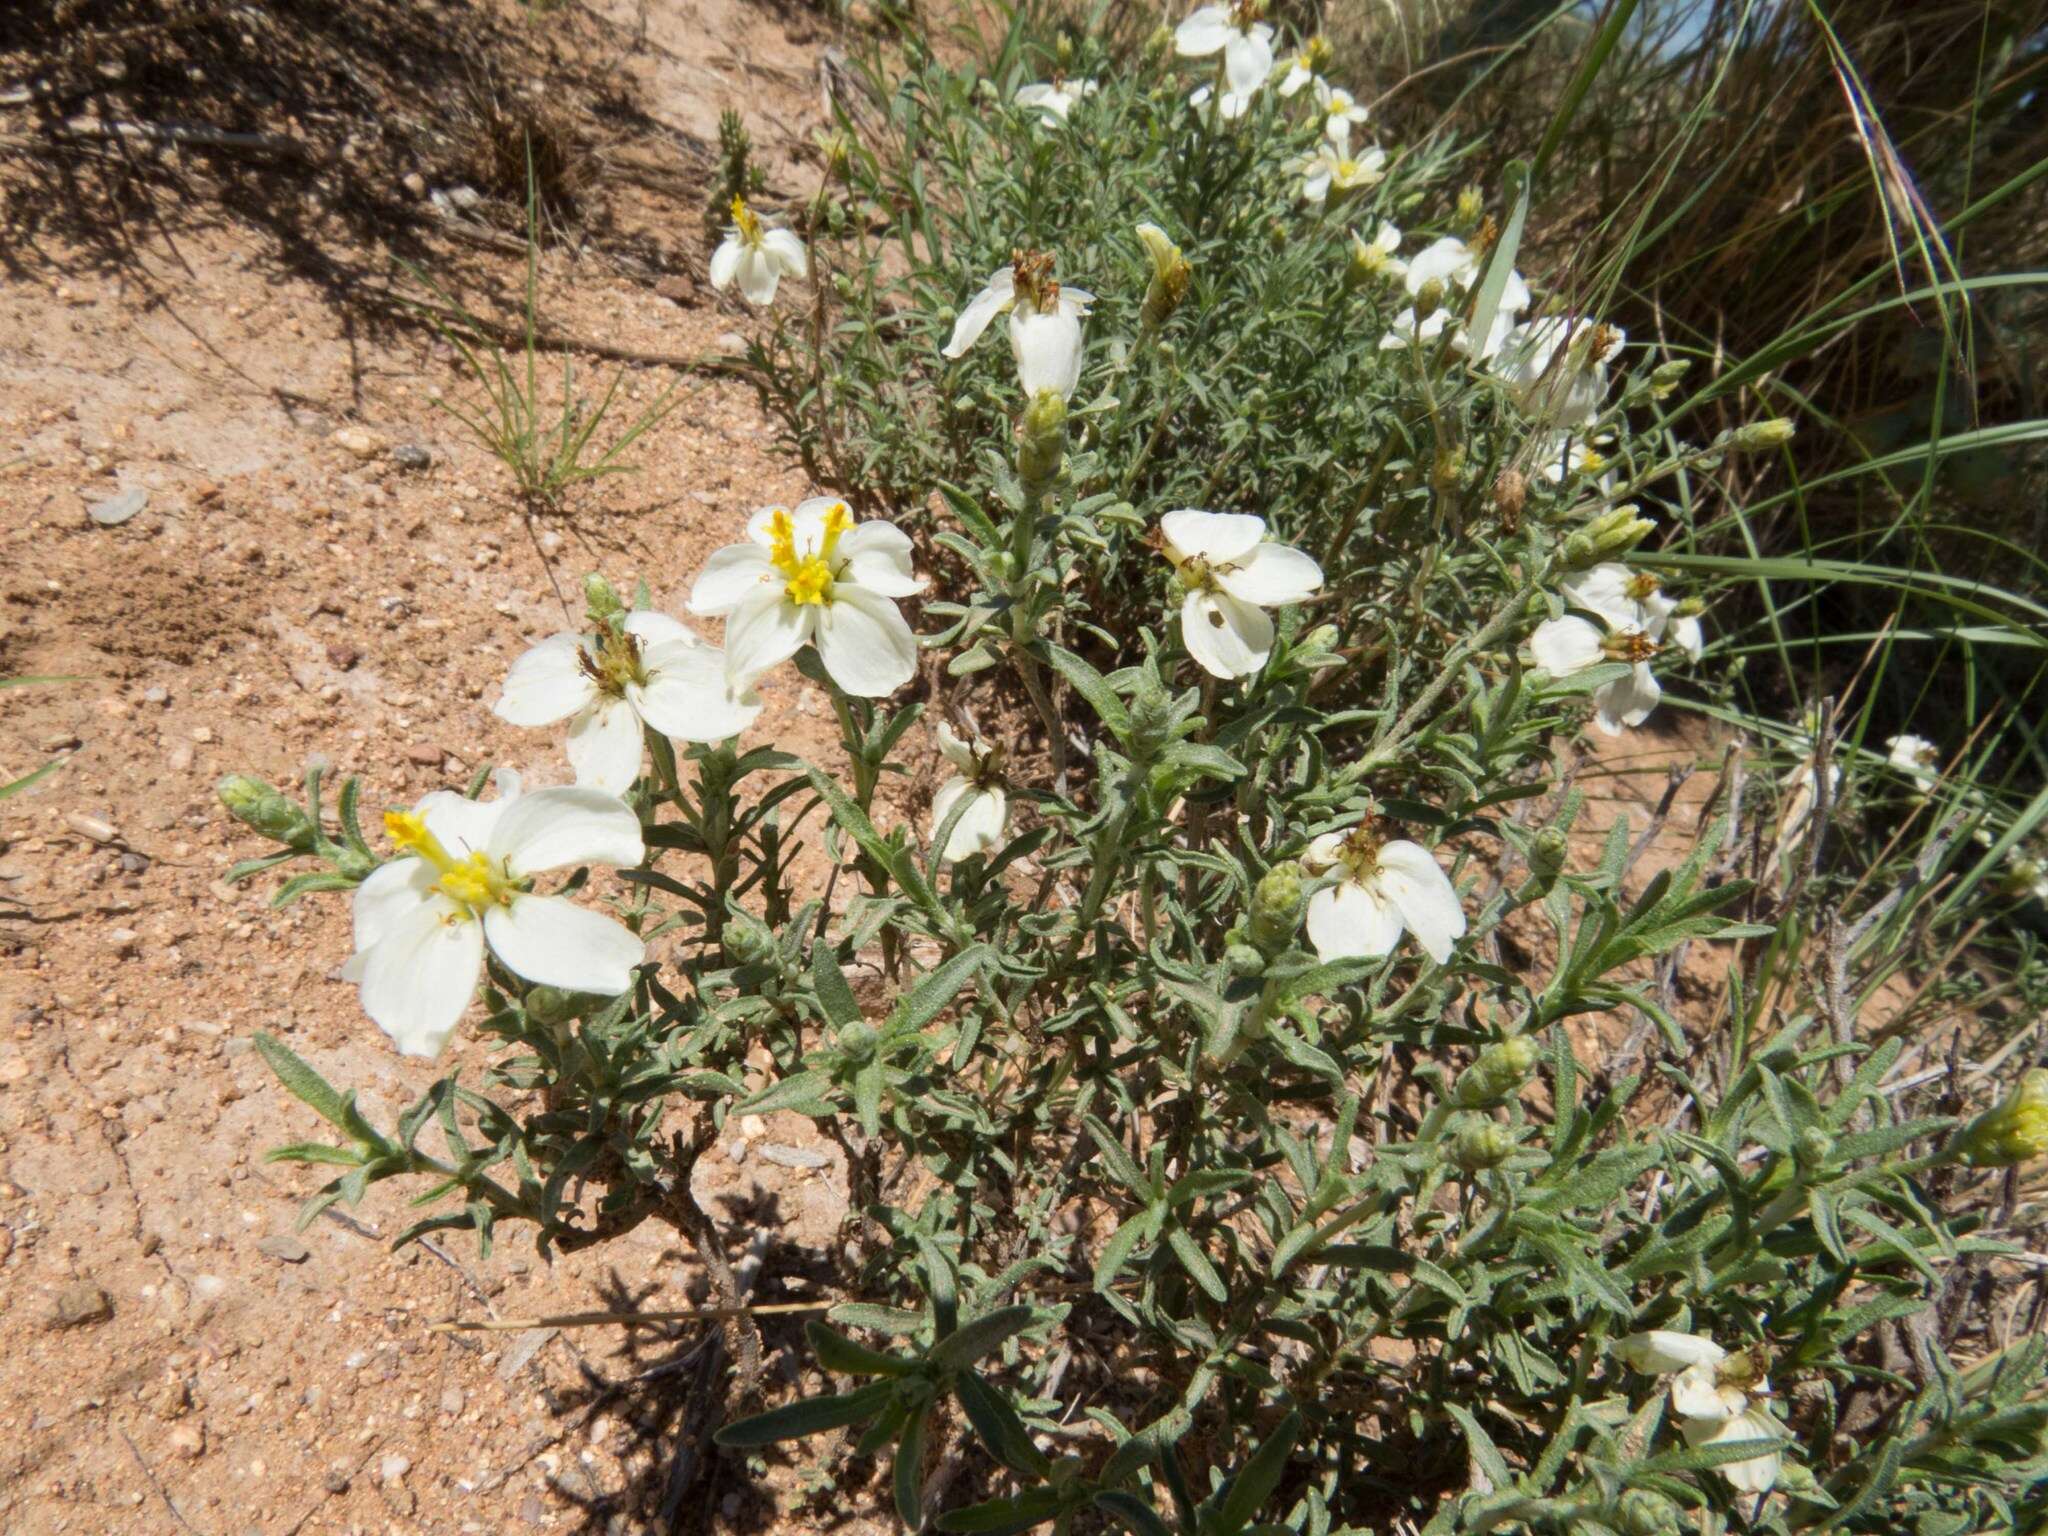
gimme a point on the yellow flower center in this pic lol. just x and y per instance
(1360, 853)
(616, 663)
(1643, 586)
(473, 883)
(745, 220)
(807, 578)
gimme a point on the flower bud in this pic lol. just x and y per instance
(1041, 446)
(1429, 298)
(554, 1006)
(1171, 275)
(857, 1040)
(266, 810)
(1608, 537)
(1481, 1144)
(1499, 1073)
(600, 601)
(1510, 494)
(1159, 45)
(1063, 52)
(1760, 435)
(748, 940)
(1243, 960)
(1276, 907)
(1645, 1512)
(1666, 377)
(2015, 1131)
(1471, 208)
(836, 149)
(1449, 469)
(1812, 1149)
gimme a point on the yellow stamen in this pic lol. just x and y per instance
(1643, 586)
(747, 222)
(474, 882)
(1360, 853)
(807, 578)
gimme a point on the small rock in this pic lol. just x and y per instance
(92, 828)
(336, 1480)
(678, 288)
(393, 1467)
(180, 760)
(285, 1248)
(464, 197)
(737, 1152)
(413, 456)
(451, 1400)
(424, 755)
(312, 423)
(344, 657)
(208, 1287)
(156, 696)
(13, 1069)
(794, 1157)
(360, 441)
(753, 1127)
(134, 863)
(116, 510)
(732, 343)
(532, 1511)
(63, 741)
(124, 941)
(80, 1304)
(188, 1440)
(414, 183)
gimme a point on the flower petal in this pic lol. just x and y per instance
(954, 748)
(1270, 575)
(688, 697)
(462, 825)
(788, 251)
(758, 274)
(420, 976)
(1604, 590)
(1660, 1351)
(553, 828)
(1448, 260)
(764, 632)
(1047, 349)
(1206, 29)
(1411, 879)
(725, 261)
(866, 646)
(1226, 638)
(388, 897)
(1217, 537)
(877, 555)
(998, 296)
(651, 629)
(1346, 921)
(1757, 1474)
(1564, 646)
(1697, 1393)
(551, 940)
(546, 683)
(604, 746)
(1247, 62)
(980, 827)
(1627, 701)
(731, 576)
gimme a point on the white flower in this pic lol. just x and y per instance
(463, 879)
(817, 576)
(1231, 576)
(1557, 367)
(1564, 454)
(1403, 332)
(756, 256)
(1448, 261)
(1710, 1393)
(1915, 755)
(1054, 99)
(1384, 889)
(1376, 258)
(1247, 48)
(1341, 112)
(1333, 167)
(979, 781)
(1638, 617)
(1045, 323)
(654, 672)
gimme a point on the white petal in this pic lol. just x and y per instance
(388, 897)
(1411, 879)
(1207, 29)
(877, 555)
(551, 940)
(1315, 185)
(604, 746)
(1217, 537)
(725, 261)
(1758, 1473)
(1448, 260)
(980, 827)
(1685, 634)
(420, 976)
(1032, 95)
(865, 645)
(764, 632)
(1604, 590)
(1047, 349)
(1661, 1351)
(1514, 298)
(1564, 646)
(546, 683)
(688, 697)
(1226, 638)
(731, 576)
(1346, 920)
(651, 629)
(998, 296)
(1697, 1393)
(1627, 701)
(788, 250)
(954, 748)
(462, 825)
(554, 828)
(1270, 575)
(1247, 62)
(758, 274)
(1322, 851)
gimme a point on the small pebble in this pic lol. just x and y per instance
(412, 456)
(116, 510)
(285, 1248)
(80, 1304)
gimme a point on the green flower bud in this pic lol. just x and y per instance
(1608, 537)
(1041, 446)
(1171, 275)
(1481, 1144)
(1471, 207)
(2015, 1132)
(600, 601)
(1063, 51)
(836, 148)
(1812, 1149)
(1666, 377)
(857, 1040)
(553, 1006)
(266, 810)
(1548, 851)
(1276, 907)
(1159, 45)
(1499, 1072)
(1243, 960)
(1760, 435)
(1428, 299)
(749, 940)
(1643, 1512)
